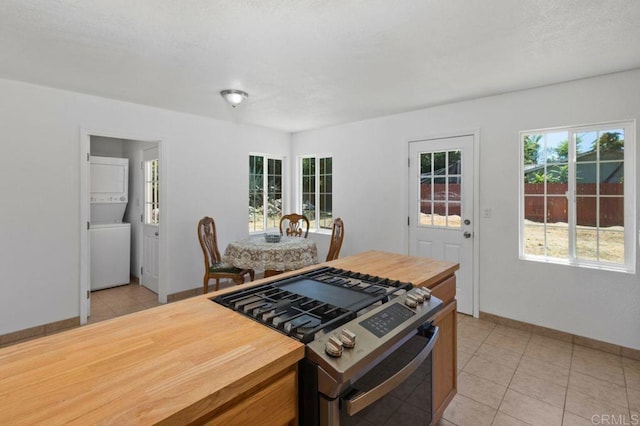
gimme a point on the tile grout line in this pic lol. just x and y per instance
(566, 393)
(458, 373)
(474, 354)
(507, 387)
(514, 374)
(572, 354)
(578, 391)
(626, 386)
(628, 407)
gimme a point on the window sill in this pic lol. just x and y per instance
(585, 265)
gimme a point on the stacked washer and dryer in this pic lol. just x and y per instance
(110, 237)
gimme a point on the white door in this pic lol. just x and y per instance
(151, 221)
(441, 207)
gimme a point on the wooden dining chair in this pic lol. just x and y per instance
(297, 224)
(214, 267)
(337, 235)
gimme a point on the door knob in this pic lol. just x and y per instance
(467, 234)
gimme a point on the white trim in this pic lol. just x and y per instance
(265, 180)
(85, 243)
(298, 189)
(475, 133)
(85, 266)
(476, 219)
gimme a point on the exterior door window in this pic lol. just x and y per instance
(441, 189)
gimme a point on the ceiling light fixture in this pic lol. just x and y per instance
(234, 97)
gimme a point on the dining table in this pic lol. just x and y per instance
(287, 254)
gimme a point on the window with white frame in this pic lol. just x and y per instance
(265, 192)
(316, 191)
(577, 196)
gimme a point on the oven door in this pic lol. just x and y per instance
(397, 391)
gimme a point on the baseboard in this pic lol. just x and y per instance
(174, 297)
(560, 335)
(39, 331)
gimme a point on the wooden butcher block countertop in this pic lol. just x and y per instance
(173, 363)
(420, 271)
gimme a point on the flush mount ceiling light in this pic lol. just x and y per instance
(234, 97)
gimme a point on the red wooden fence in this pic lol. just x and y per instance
(440, 194)
(611, 208)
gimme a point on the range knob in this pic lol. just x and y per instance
(348, 338)
(426, 292)
(411, 301)
(333, 347)
(419, 296)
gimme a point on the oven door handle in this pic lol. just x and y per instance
(363, 400)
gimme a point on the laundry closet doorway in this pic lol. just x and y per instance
(101, 251)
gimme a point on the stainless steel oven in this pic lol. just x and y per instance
(395, 389)
(398, 391)
(368, 344)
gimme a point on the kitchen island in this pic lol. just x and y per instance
(191, 361)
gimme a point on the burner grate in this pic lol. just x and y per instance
(305, 304)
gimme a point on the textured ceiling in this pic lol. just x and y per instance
(309, 64)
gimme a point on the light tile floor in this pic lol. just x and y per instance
(508, 376)
(122, 300)
(117, 301)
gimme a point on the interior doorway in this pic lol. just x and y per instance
(102, 213)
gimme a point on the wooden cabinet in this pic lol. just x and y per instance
(276, 400)
(445, 350)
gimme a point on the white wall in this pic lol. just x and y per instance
(370, 194)
(206, 164)
(206, 172)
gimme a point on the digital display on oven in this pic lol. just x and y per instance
(387, 319)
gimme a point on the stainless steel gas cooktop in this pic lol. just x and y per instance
(323, 299)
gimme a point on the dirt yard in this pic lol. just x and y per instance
(611, 241)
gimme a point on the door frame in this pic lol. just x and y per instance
(85, 214)
(142, 222)
(475, 133)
